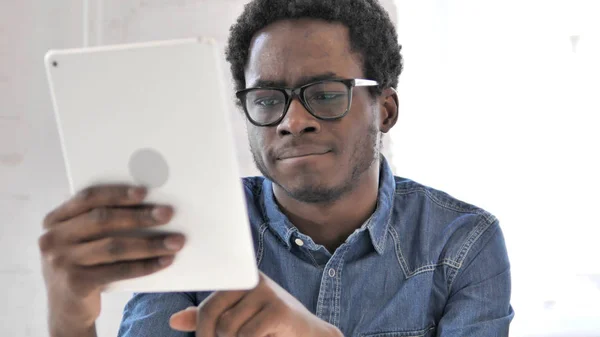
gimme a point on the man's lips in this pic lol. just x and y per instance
(302, 151)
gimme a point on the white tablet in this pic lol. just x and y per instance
(155, 114)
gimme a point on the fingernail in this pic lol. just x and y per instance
(161, 213)
(136, 193)
(174, 242)
(165, 261)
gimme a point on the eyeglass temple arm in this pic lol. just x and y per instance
(359, 82)
(366, 83)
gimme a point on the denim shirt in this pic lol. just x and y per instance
(424, 264)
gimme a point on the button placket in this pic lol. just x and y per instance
(328, 304)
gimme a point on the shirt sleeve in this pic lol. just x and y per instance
(479, 301)
(148, 314)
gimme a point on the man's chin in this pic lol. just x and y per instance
(310, 188)
(313, 194)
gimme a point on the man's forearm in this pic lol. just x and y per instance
(63, 330)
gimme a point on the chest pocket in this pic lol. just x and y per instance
(427, 332)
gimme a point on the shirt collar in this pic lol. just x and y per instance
(377, 224)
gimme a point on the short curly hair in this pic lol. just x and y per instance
(372, 34)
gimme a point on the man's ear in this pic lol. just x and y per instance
(388, 109)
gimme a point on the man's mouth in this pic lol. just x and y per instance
(302, 151)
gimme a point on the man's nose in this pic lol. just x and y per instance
(298, 120)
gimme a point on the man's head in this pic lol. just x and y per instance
(281, 43)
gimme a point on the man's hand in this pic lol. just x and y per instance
(267, 310)
(81, 254)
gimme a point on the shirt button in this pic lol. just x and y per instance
(331, 272)
(299, 242)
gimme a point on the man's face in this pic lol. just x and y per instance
(311, 159)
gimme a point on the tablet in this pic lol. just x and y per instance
(155, 114)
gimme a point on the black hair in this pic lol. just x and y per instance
(372, 34)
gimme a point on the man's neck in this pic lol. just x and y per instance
(330, 224)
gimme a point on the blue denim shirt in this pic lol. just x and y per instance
(424, 264)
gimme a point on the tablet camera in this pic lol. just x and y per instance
(149, 168)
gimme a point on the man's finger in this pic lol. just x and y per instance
(118, 249)
(262, 324)
(229, 323)
(95, 196)
(109, 273)
(103, 220)
(184, 320)
(211, 309)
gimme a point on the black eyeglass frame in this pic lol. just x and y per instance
(290, 93)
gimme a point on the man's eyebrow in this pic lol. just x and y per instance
(302, 81)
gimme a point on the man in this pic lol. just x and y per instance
(344, 247)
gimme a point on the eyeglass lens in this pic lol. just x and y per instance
(324, 99)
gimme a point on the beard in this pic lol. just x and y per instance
(366, 152)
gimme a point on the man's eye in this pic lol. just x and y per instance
(326, 96)
(267, 102)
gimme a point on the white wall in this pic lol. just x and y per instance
(493, 111)
(31, 177)
(498, 110)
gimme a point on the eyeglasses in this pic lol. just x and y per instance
(325, 100)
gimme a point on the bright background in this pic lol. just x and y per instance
(501, 109)
(498, 107)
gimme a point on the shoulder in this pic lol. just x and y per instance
(407, 190)
(431, 228)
